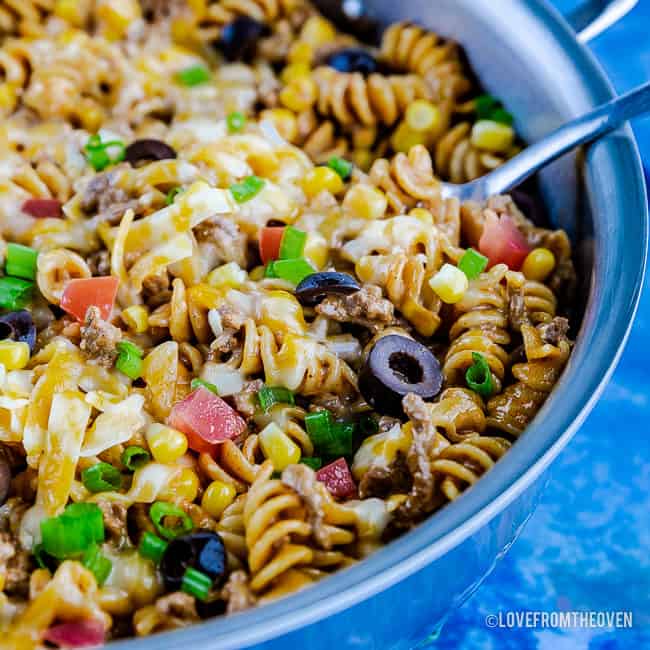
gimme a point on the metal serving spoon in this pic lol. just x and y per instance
(589, 127)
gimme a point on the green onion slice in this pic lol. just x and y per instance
(15, 293)
(134, 457)
(193, 76)
(269, 272)
(99, 565)
(478, 376)
(102, 154)
(330, 438)
(160, 510)
(235, 122)
(129, 359)
(101, 477)
(341, 166)
(172, 194)
(196, 583)
(72, 532)
(502, 116)
(198, 383)
(269, 396)
(292, 243)
(294, 271)
(488, 107)
(152, 547)
(250, 187)
(472, 263)
(21, 261)
(312, 461)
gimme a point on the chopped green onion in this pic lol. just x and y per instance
(502, 116)
(197, 383)
(250, 187)
(312, 461)
(478, 376)
(294, 271)
(21, 261)
(269, 396)
(152, 547)
(235, 121)
(134, 457)
(268, 270)
(129, 359)
(197, 584)
(44, 560)
(98, 155)
(172, 194)
(99, 565)
(292, 243)
(341, 166)
(329, 438)
(72, 532)
(193, 76)
(160, 510)
(101, 477)
(472, 263)
(488, 107)
(14, 293)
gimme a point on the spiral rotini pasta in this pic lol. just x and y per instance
(238, 310)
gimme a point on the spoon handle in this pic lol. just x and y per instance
(584, 129)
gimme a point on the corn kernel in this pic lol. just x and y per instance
(117, 16)
(14, 355)
(301, 52)
(317, 31)
(322, 179)
(295, 71)
(278, 447)
(299, 95)
(136, 318)
(184, 485)
(316, 249)
(404, 138)
(217, 497)
(538, 265)
(492, 136)
(284, 121)
(167, 445)
(365, 201)
(227, 275)
(70, 11)
(449, 283)
(422, 115)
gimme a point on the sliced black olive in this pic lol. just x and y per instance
(212, 607)
(18, 326)
(395, 366)
(239, 38)
(203, 551)
(148, 150)
(353, 59)
(351, 18)
(317, 285)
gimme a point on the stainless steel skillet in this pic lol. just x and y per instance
(530, 57)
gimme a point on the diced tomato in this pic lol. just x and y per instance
(206, 420)
(337, 479)
(78, 634)
(42, 208)
(270, 239)
(80, 294)
(503, 242)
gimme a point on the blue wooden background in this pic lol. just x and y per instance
(587, 547)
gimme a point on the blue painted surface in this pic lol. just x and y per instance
(587, 547)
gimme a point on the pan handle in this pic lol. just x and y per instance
(596, 16)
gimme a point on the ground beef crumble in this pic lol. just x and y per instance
(366, 307)
(230, 243)
(237, 593)
(99, 338)
(245, 402)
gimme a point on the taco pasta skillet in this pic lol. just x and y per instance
(245, 340)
